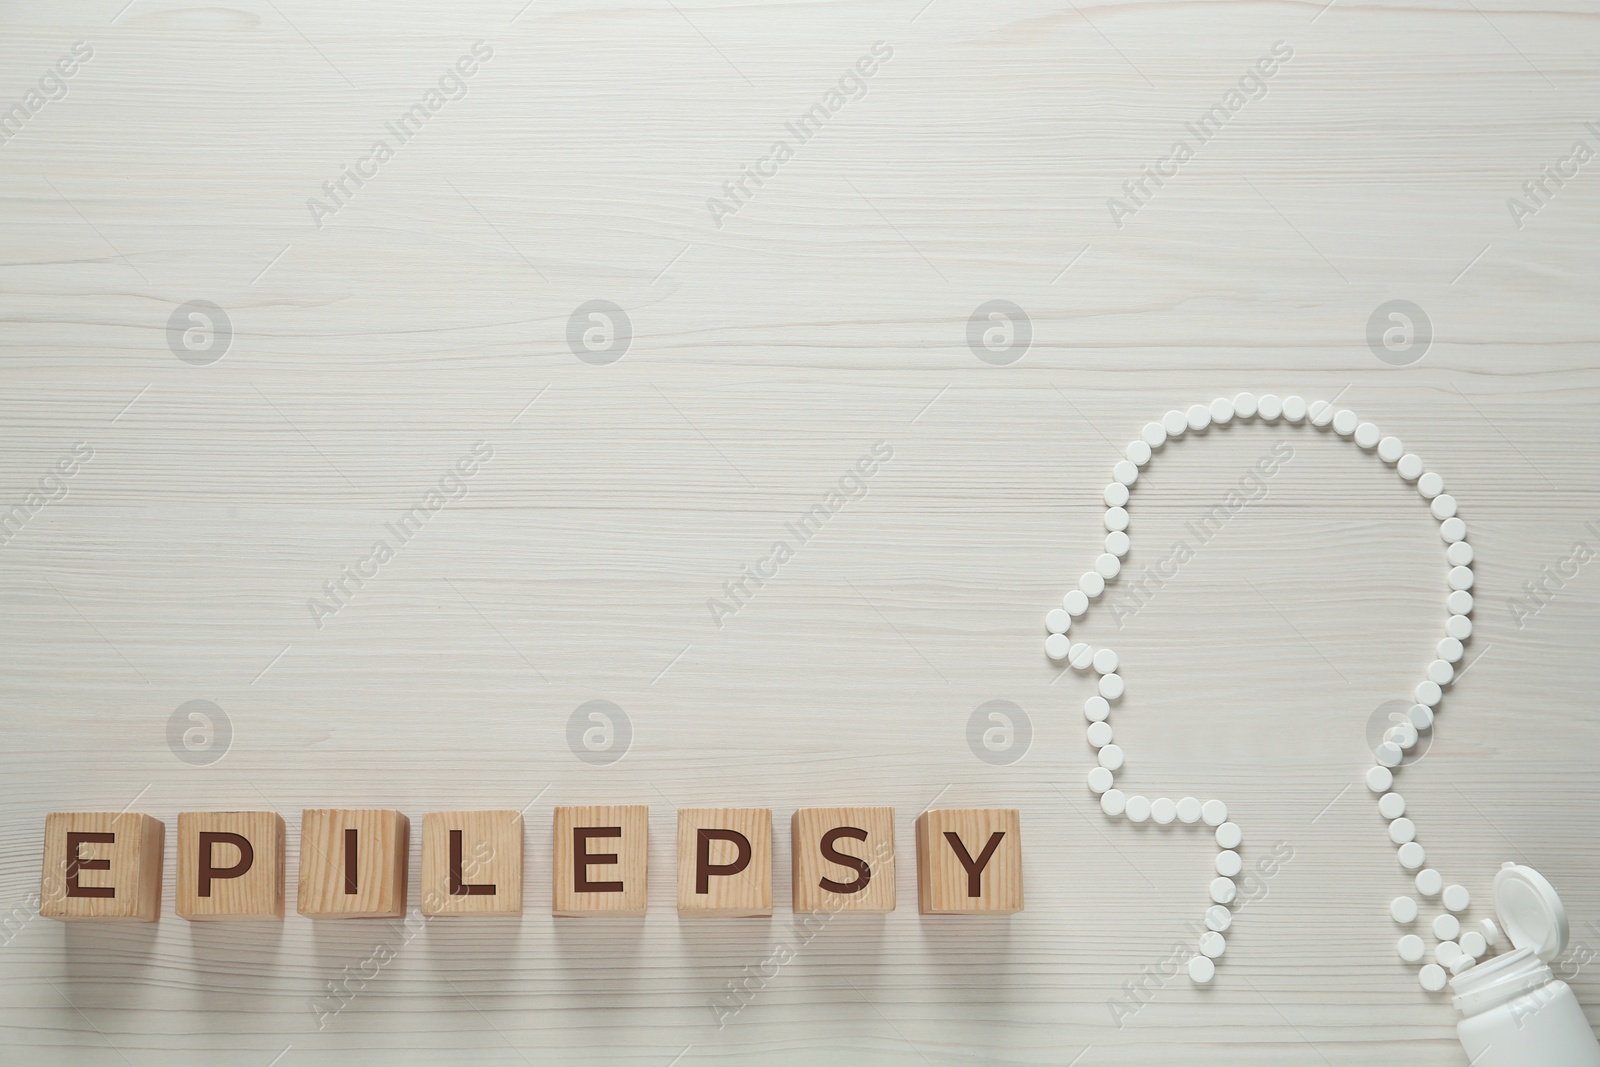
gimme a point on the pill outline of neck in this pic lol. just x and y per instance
(1390, 752)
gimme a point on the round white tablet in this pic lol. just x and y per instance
(1491, 932)
(1163, 810)
(1126, 472)
(1379, 779)
(1229, 835)
(1201, 970)
(1107, 565)
(1402, 830)
(1402, 734)
(1111, 757)
(1214, 812)
(1429, 882)
(1218, 918)
(1345, 423)
(1443, 506)
(1391, 805)
(1093, 583)
(1430, 485)
(1116, 518)
(1188, 810)
(1446, 952)
(1244, 405)
(1174, 423)
(1461, 963)
(1100, 780)
(1459, 553)
(1212, 944)
(1056, 646)
(1222, 410)
(1410, 854)
(1446, 927)
(1421, 716)
(1080, 655)
(1198, 416)
(1411, 948)
(1453, 530)
(1099, 734)
(1111, 686)
(1459, 602)
(1154, 434)
(1229, 863)
(1403, 909)
(1076, 602)
(1409, 466)
(1450, 650)
(1367, 435)
(1456, 897)
(1138, 453)
(1389, 754)
(1432, 977)
(1320, 413)
(1095, 709)
(1105, 661)
(1138, 808)
(1269, 407)
(1473, 944)
(1116, 495)
(1118, 543)
(1440, 672)
(1461, 578)
(1057, 621)
(1428, 693)
(1390, 449)
(1223, 890)
(1113, 802)
(1294, 409)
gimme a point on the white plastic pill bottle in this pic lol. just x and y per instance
(1515, 1012)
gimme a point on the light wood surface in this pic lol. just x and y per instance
(206, 505)
(205, 887)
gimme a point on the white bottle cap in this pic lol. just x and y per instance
(1530, 911)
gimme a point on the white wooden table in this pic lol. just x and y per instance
(772, 345)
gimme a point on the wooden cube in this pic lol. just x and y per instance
(230, 865)
(601, 860)
(472, 863)
(969, 860)
(353, 863)
(725, 862)
(843, 860)
(102, 866)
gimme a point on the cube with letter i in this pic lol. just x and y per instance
(353, 863)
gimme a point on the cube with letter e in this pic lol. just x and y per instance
(601, 859)
(102, 866)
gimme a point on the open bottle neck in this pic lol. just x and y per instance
(1488, 985)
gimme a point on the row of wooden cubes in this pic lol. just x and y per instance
(106, 866)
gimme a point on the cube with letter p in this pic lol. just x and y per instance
(725, 862)
(230, 865)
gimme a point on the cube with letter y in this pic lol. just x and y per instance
(969, 860)
(230, 865)
(353, 863)
(472, 863)
(601, 860)
(102, 866)
(725, 862)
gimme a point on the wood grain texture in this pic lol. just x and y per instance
(101, 866)
(481, 873)
(353, 863)
(863, 881)
(625, 878)
(204, 887)
(725, 863)
(969, 861)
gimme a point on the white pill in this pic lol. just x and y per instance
(1163, 810)
(1095, 709)
(1201, 970)
(1138, 452)
(1116, 518)
(1446, 952)
(1118, 543)
(1421, 716)
(1099, 734)
(1450, 650)
(1430, 485)
(1402, 830)
(1403, 910)
(1269, 407)
(1410, 854)
(1409, 466)
(1057, 621)
(1111, 686)
(1446, 927)
(1345, 423)
(1138, 808)
(1320, 412)
(1460, 552)
(1080, 656)
(1111, 757)
(1491, 932)
(1092, 583)
(1105, 661)
(1461, 963)
(1429, 882)
(1473, 944)
(1432, 977)
(1244, 405)
(1294, 409)
(1214, 812)
(1389, 754)
(1113, 802)
(1198, 416)
(1212, 944)
(1222, 411)
(1223, 890)
(1100, 780)
(1107, 565)
(1076, 602)
(1116, 495)
(1379, 779)
(1056, 646)
(1188, 810)
(1402, 734)
(1154, 434)
(1229, 863)
(1125, 472)
(1390, 449)
(1461, 578)
(1411, 948)
(1391, 805)
(1174, 423)
(1456, 897)
(1428, 693)
(1229, 835)
(1443, 506)
(1440, 672)
(1459, 602)
(1367, 435)
(1454, 531)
